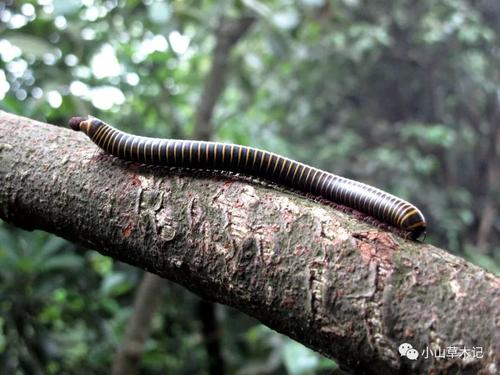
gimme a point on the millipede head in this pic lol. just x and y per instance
(414, 222)
(74, 123)
(418, 232)
(87, 125)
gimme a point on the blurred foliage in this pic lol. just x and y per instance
(400, 94)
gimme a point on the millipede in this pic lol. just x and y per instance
(258, 163)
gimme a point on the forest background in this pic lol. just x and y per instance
(402, 95)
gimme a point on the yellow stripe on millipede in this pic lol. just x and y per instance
(117, 135)
(294, 171)
(111, 141)
(376, 203)
(167, 151)
(323, 184)
(269, 161)
(348, 192)
(319, 180)
(397, 210)
(126, 148)
(102, 135)
(247, 155)
(96, 134)
(120, 145)
(240, 149)
(289, 167)
(386, 207)
(254, 157)
(331, 186)
(392, 209)
(282, 167)
(416, 225)
(311, 185)
(262, 157)
(307, 176)
(402, 220)
(278, 160)
(139, 149)
(366, 199)
(123, 148)
(337, 189)
(136, 148)
(400, 210)
(110, 136)
(303, 167)
(190, 152)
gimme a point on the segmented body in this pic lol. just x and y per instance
(263, 164)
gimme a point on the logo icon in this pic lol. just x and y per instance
(406, 350)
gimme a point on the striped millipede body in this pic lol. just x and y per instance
(263, 164)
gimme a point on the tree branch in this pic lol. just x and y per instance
(228, 33)
(147, 298)
(340, 286)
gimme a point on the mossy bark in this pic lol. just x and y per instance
(340, 286)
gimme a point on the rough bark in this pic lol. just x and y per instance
(147, 298)
(340, 286)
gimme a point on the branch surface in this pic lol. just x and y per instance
(340, 286)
